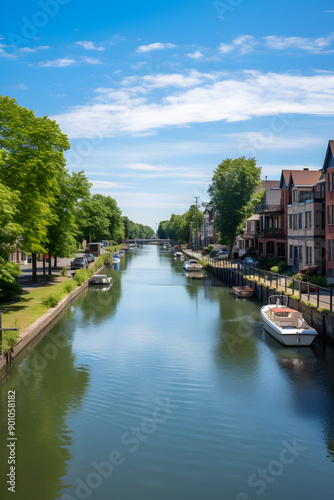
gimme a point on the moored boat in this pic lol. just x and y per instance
(100, 279)
(178, 256)
(116, 258)
(285, 324)
(192, 265)
(243, 291)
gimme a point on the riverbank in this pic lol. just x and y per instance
(39, 306)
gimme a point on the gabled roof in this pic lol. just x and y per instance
(304, 178)
(285, 176)
(329, 157)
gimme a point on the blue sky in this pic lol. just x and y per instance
(154, 95)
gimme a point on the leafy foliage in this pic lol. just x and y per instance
(234, 183)
(9, 271)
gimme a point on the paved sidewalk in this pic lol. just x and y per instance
(26, 272)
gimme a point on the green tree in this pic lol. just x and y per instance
(234, 183)
(9, 229)
(31, 157)
(63, 233)
(162, 229)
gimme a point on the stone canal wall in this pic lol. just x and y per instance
(29, 334)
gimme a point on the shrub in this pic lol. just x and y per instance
(69, 286)
(274, 269)
(205, 250)
(210, 247)
(213, 253)
(282, 266)
(51, 300)
(64, 271)
(318, 280)
(81, 276)
(251, 251)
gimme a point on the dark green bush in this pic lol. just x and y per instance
(51, 300)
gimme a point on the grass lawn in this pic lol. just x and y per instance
(29, 308)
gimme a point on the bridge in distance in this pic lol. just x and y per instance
(160, 241)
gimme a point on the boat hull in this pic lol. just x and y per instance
(291, 336)
(243, 291)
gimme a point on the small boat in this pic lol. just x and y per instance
(285, 324)
(178, 256)
(100, 279)
(116, 258)
(121, 252)
(192, 265)
(243, 291)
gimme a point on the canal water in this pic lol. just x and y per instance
(167, 387)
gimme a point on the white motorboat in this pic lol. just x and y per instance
(285, 324)
(116, 258)
(192, 265)
(100, 279)
(178, 256)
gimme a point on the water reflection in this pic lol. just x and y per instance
(49, 387)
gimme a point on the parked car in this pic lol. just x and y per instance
(90, 257)
(79, 263)
(250, 262)
(222, 254)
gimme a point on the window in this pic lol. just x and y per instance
(294, 221)
(308, 222)
(310, 255)
(300, 254)
(330, 182)
(329, 251)
(276, 222)
(329, 210)
(290, 221)
(300, 221)
(290, 251)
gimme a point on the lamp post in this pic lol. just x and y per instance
(196, 236)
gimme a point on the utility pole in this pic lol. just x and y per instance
(196, 198)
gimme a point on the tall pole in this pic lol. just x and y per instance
(196, 198)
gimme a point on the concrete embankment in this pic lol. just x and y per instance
(323, 322)
(31, 333)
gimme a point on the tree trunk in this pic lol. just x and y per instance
(34, 268)
(55, 260)
(230, 253)
(43, 264)
(50, 271)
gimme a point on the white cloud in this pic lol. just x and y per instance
(243, 44)
(195, 55)
(231, 99)
(107, 184)
(22, 86)
(57, 63)
(35, 49)
(154, 46)
(90, 46)
(91, 60)
(68, 61)
(162, 80)
(313, 45)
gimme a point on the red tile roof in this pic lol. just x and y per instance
(305, 177)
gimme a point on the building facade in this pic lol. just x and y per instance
(328, 172)
(306, 220)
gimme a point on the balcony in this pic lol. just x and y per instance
(310, 197)
(273, 233)
(261, 209)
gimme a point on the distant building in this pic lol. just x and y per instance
(208, 231)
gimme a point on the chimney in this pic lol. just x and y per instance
(305, 168)
(265, 178)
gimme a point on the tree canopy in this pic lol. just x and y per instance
(178, 226)
(234, 193)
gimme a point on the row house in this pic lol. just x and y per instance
(208, 231)
(306, 219)
(272, 232)
(328, 172)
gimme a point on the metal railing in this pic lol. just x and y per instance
(305, 291)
